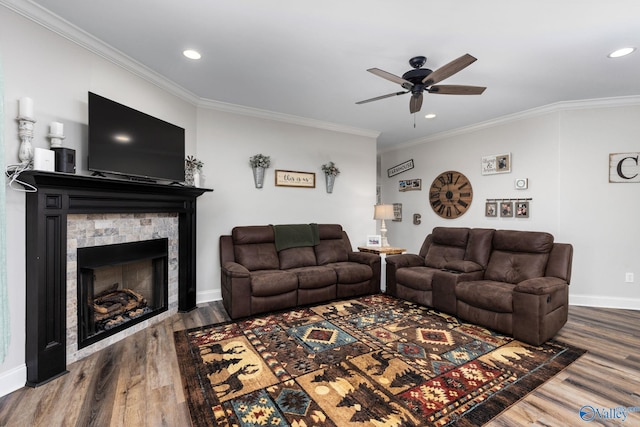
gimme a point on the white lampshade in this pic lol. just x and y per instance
(383, 212)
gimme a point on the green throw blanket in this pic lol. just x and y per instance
(295, 235)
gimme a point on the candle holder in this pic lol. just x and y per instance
(25, 132)
(56, 140)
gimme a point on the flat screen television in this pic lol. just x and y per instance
(127, 142)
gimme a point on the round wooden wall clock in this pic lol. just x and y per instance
(450, 194)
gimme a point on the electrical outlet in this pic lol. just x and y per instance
(628, 277)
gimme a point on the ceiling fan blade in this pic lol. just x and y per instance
(416, 103)
(449, 69)
(391, 77)
(456, 90)
(382, 97)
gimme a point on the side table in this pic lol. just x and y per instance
(383, 251)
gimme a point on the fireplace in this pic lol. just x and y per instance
(119, 286)
(116, 211)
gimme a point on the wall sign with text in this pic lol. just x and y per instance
(295, 179)
(497, 163)
(624, 167)
(398, 169)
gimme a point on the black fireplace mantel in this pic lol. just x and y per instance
(60, 194)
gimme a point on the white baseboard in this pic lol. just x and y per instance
(12, 380)
(605, 302)
(208, 296)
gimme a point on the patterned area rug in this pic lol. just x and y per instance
(371, 361)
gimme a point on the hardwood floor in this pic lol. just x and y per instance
(136, 382)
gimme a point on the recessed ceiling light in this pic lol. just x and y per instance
(430, 116)
(621, 52)
(192, 54)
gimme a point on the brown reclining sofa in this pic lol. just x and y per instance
(267, 268)
(514, 282)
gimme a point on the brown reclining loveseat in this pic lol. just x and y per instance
(514, 282)
(261, 274)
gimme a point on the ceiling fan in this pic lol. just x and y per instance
(420, 80)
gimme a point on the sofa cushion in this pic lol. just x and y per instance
(297, 257)
(332, 250)
(518, 255)
(448, 244)
(351, 272)
(252, 234)
(522, 241)
(439, 255)
(315, 277)
(330, 231)
(257, 256)
(266, 283)
(487, 294)
(416, 277)
(479, 247)
(451, 236)
(513, 267)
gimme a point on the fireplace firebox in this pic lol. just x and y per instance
(119, 286)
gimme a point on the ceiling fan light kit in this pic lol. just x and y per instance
(420, 80)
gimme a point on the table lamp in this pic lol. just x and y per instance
(383, 212)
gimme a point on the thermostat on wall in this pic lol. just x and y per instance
(522, 183)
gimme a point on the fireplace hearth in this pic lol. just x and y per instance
(119, 286)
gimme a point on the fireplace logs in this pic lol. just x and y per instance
(116, 306)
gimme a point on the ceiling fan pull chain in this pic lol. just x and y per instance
(414, 120)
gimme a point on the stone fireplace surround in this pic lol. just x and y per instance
(61, 195)
(88, 230)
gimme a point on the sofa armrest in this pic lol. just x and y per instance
(234, 269)
(396, 262)
(540, 285)
(235, 285)
(363, 258)
(540, 309)
(405, 260)
(462, 266)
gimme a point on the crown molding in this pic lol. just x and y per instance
(64, 28)
(287, 118)
(623, 101)
(67, 30)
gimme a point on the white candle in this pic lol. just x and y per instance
(26, 107)
(56, 128)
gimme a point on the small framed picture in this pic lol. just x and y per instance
(497, 163)
(491, 209)
(506, 209)
(522, 209)
(374, 240)
(410, 184)
(397, 212)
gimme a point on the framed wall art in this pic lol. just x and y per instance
(506, 209)
(295, 179)
(624, 167)
(410, 185)
(491, 209)
(522, 209)
(397, 212)
(497, 163)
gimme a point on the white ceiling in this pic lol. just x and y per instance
(309, 58)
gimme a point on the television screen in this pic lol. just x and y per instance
(128, 142)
